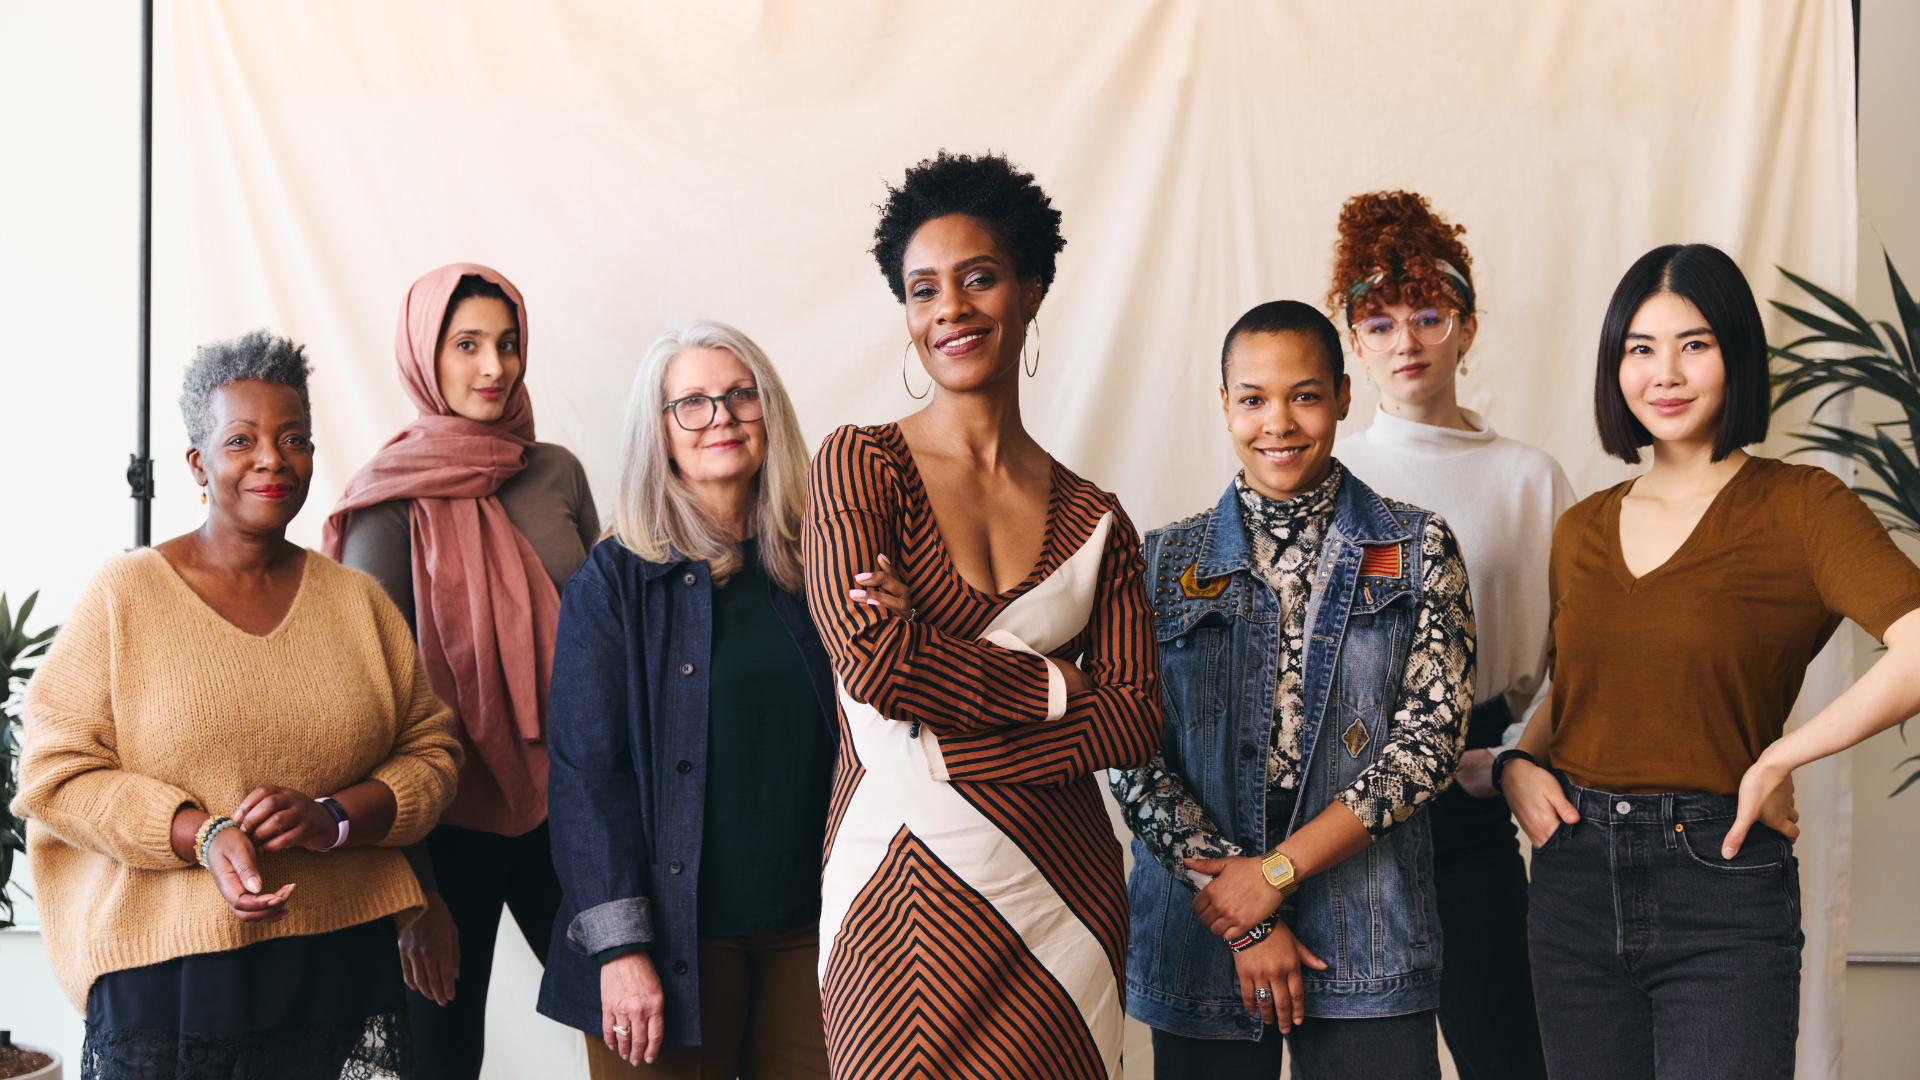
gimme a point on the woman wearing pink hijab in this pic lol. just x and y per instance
(472, 527)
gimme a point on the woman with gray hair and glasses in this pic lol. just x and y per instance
(691, 734)
(226, 716)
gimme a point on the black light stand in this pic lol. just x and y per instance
(140, 469)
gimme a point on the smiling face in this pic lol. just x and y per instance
(728, 450)
(1410, 371)
(1671, 373)
(259, 459)
(1283, 409)
(966, 310)
(479, 359)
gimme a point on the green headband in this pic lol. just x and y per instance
(1459, 281)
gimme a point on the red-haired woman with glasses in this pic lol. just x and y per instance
(1403, 281)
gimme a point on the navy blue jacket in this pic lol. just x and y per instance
(626, 794)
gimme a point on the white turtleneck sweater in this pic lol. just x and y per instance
(1502, 498)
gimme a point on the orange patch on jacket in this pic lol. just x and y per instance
(1380, 560)
(1191, 586)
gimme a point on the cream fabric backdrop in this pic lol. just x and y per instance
(634, 165)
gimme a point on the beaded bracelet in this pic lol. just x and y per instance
(1256, 935)
(203, 840)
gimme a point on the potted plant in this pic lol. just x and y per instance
(19, 1062)
(16, 647)
(1878, 357)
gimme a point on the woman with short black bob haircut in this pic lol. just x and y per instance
(1664, 920)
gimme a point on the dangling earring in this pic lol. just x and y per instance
(1033, 329)
(903, 376)
(203, 496)
(1463, 367)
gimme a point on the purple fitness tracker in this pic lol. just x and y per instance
(339, 818)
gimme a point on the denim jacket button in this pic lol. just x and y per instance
(1248, 751)
(689, 579)
(679, 967)
(683, 768)
(686, 669)
(1242, 1023)
(675, 867)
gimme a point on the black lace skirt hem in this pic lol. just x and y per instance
(376, 1047)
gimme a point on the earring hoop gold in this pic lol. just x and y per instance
(903, 375)
(1033, 331)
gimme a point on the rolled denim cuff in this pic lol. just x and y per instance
(613, 924)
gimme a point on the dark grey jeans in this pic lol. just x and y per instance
(1324, 1048)
(1655, 957)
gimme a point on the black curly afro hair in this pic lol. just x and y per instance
(991, 190)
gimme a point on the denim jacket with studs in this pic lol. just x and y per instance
(1218, 624)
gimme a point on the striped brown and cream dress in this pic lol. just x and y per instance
(974, 920)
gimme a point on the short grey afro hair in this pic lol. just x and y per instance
(259, 355)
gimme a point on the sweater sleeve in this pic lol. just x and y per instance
(378, 540)
(71, 781)
(1436, 695)
(423, 768)
(1114, 725)
(906, 669)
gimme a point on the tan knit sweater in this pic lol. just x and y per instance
(149, 701)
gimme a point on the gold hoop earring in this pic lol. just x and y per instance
(903, 376)
(1033, 329)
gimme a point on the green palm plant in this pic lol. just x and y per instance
(1877, 356)
(16, 646)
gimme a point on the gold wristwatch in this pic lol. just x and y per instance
(1279, 871)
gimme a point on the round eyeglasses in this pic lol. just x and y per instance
(1429, 326)
(697, 412)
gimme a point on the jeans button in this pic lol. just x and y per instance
(686, 669)
(674, 867)
(689, 579)
(1623, 806)
(683, 768)
(679, 967)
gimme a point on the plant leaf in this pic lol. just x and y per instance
(1903, 303)
(1833, 303)
(1833, 331)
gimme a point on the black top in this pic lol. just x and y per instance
(769, 768)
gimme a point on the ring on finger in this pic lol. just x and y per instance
(1263, 994)
(621, 1031)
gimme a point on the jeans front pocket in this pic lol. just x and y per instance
(1560, 834)
(1764, 852)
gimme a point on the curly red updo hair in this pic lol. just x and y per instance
(1399, 233)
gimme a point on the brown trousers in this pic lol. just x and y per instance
(760, 1015)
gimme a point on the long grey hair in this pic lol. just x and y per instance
(659, 515)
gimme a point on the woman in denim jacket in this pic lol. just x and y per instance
(1316, 645)
(692, 738)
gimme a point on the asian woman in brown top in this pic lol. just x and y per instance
(1664, 920)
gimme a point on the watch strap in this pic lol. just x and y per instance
(1500, 765)
(339, 814)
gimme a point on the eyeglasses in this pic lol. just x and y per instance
(1429, 326)
(697, 412)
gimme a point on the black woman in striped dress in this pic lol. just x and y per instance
(974, 919)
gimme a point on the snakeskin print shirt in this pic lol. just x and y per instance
(1436, 691)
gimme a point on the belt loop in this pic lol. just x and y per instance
(1668, 825)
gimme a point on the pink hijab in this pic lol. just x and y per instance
(485, 611)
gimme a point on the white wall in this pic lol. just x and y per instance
(1883, 1002)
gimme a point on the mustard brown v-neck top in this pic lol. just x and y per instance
(150, 701)
(1678, 680)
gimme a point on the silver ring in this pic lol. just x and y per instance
(622, 1032)
(1261, 994)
